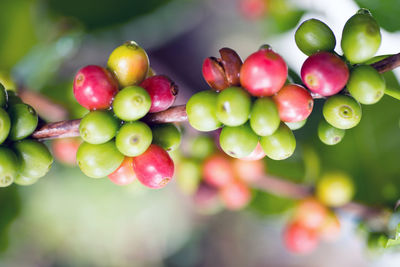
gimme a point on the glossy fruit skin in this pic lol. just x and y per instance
(296, 125)
(132, 103)
(3, 96)
(154, 168)
(239, 141)
(133, 138)
(201, 110)
(202, 146)
(98, 127)
(324, 73)
(217, 170)
(280, 145)
(8, 166)
(264, 116)
(64, 150)
(342, 111)
(97, 161)
(328, 134)
(162, 92)
(299, 239)
(167, 136)
(248, 171)
(34, 158)
(124, 174)
(233, 106)
(361, 38)
(313, 36)
(94, 87)
(23, 119)
(258, 153)
(129, 63)
(235, 195)
(335, 189)
(5, 125)
(294, 103)
(366, 85)
(22, 180)
(188, 175)
(263, 73)
(214, 74)
(310, 213)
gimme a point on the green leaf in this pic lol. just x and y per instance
(386, 12)
(395, 241)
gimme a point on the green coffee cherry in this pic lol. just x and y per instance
(313, 36)
(335, 189)
(233, 106)
(201, 110)
(342, 111)
(5, 125)
(264, 116)
(22, 180)
(168, 136)
(34, 158)
(98, 127)
(12, 98)
(3, 96)
(328, 134)
(133, 138)
(8, 166)
(97, 161)
(238, 141)
(296, 125)
(131, 103)
(24, 121)
(201, 147)
(361, 38)
(280, 145)
(188, 175)
(366, 85)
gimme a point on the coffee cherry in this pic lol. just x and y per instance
(335, 189)
(214, 74)
(24, 121)
(264, 116)
(296, 125)
(3, 96)
(22, 180)
(133, 138)
(232, 63)
(248, 171)
(201, 147)
(217, 170)
(64, 150)
(98, 127)
(233, 106)
(130, 64)
(294, 103)
(201, 110)
(8, 166)
(188, 175)
(324, 73)
(162, 92)
(330, 229)
(263, 73)
(328, 134)
(5, 125)
(280, 145)
(238, 141)
(12, 98)
(313, 36)
(361, 37)
(154, 168)
(97, 161)
(342, 111)
(253, 9)
(258, 153)
(131, 103)
(310, 213)
(235, 195)
(167, 136)
(300, 239)
(34, 158)
(94, 87)
(366, 85)
(124, 174)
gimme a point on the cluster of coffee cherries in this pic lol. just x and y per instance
(346, 81)
(252, 104)
(116, 141)
(313, 219)
(22, 160)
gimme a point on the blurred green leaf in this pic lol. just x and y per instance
(395, 241)
(386, 12)
(282, 16)
(9, 208)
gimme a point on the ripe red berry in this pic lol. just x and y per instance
(64, 150)
(324, 73)
(235, 195)
(248, 171)
(294, 103)
(263, 73)
(95, 87)
(124, 174)
(311, 213)
(217, 170)
(162, 92)
(300, 239)
(154, 168)
(214, 74)
(253, 9)
(257, 154)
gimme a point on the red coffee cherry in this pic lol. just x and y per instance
(154, 168)
(217, 170)
(324, 73)
(311, 213)
(263, 73)
(124, 174)
(235, 195)
(294, 103)
(94, 87)
(64, 150)
(300, 239)
(162, 92)
(253, 9)
(248, 171)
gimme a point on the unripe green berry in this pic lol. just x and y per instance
(5, 125)
(98, 127)
(24, 121)
(8, 167)
(335, 189)
(201, 147)
(233, 106)
(22, 180)
(264, 116)
(280, 145)
(188, 175)
(238, 141)
(133, 138)
(131, 103)
(342, 111)
(3, 96)
(201, 111)
(328, 134)
(167, 136)
(296, 125)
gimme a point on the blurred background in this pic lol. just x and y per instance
(67, 219)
